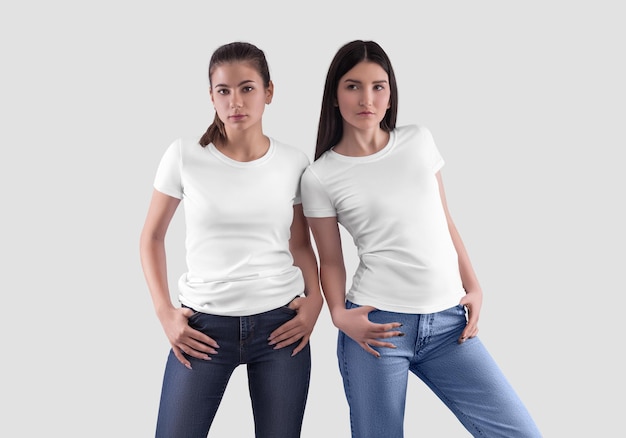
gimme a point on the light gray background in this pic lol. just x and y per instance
(526, 103)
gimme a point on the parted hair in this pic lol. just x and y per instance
(237, 51)
(330, 128)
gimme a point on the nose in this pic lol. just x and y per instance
(235, 101)
(366, 98)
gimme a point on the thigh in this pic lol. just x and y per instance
(190, 397)
(375, 388)
(278, 381)
(468, 380)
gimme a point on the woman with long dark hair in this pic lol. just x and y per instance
(414, 302)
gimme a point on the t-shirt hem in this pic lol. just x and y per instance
(275, 304)
(434, 308)
(320, 213)
(173, 193)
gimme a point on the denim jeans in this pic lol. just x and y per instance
(464, 376)
(278, 383)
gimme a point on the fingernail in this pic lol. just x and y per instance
(401, 334)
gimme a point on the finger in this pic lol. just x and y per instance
(198, 336)
(470, 331)
(187, 312)
(385, 327)
(464, 336)
(369, 349)
(195, 340)
(189, 350)
(193, 346)
(288, 341)
(381, 344)
(295, 303)
(384, 335)
(200, 341)
(182, 359)
(472, 319)
(300, 346)
(282, 331)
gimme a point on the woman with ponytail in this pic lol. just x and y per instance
(250, 294)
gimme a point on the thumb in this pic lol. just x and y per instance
(187, 312)
(295, 303)
(368, 309)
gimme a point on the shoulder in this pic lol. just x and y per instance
(183, 145)
(290, 153)
(412, 131)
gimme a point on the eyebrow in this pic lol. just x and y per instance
(247, 81)
(382, 81)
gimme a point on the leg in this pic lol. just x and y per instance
(190, 398)
(278, 382)
(467, 379)
(376, 387)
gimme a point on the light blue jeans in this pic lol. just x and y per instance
(464, 376)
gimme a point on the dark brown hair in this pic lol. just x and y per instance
(228, 53)
(330, 128)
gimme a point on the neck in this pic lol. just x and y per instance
(244, 145)
(359, 143)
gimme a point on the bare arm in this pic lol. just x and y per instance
(309, 307)
(353, 322)
(474, 296)
(183, 338)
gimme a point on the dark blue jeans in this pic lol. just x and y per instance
(278, 382)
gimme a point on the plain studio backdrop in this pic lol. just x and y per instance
(526, 104)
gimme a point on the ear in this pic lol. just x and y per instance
(269, 93)
(211, 94)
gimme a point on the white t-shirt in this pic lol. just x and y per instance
(238, 217)
(390, 204)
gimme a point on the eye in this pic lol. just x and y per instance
(247, 89)
(378, 87)
(222, 91)
(352, 87)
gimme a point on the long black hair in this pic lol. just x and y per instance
(330, 128)
(228, 53)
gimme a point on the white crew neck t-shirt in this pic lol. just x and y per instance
(238, 217)
(390, 204)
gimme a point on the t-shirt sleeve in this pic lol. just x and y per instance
(303, 164)
(435, 160)
(168, 176)
(315, 200)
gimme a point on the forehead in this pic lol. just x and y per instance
(231, 73)
(366, 70)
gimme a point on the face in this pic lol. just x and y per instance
(238, 94)
(363, 95)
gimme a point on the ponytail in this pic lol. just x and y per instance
(229, 53)
(215, 131)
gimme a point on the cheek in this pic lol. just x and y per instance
(383, 101)
(346, 101)
(220, 105)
